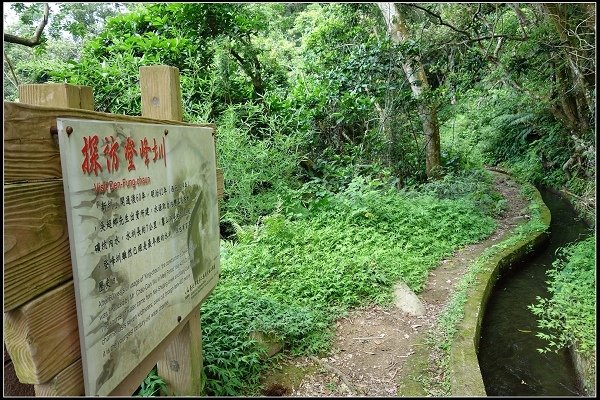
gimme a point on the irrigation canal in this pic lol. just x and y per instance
(509, 360)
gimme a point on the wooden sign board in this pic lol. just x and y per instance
(141, 203)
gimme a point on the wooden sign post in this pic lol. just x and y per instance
(40, 315)
(181, 363)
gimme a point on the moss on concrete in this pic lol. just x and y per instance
(412, 381)
(463, 365)
(585, 365)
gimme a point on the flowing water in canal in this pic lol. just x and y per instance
(508, 357)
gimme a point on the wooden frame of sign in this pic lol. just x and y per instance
(141, 203)
(41, 324)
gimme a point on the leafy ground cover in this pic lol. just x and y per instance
(568, 316)
(302, 266)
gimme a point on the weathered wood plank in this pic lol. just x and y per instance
(86, 98)
(30, 160)
(57, 95)
(42, 337)
(68, 382)
(31, 152)
(181, 363)
(39, 158)
(184, 358)
(135, 378)
(161, 92)
(37, 120)
(36, 241)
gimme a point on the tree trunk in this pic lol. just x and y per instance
(415, 73)
(254, 75)
(574, 85)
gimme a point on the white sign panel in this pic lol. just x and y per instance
(141, 202)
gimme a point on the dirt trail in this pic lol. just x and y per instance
(373, 345)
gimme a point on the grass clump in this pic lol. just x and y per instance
(152, 385)
(232, 359)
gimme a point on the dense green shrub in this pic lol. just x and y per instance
(475, 185)
(347, 73)
(232, 359)
(568, 315)
(494, 130)
(256, 171)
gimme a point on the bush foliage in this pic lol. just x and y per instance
(568, 316)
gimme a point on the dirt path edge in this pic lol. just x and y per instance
(463, 365)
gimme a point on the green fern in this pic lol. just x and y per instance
(152, 385)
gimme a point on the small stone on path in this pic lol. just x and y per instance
(407, 301)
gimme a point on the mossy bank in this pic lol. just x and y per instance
(463, 366)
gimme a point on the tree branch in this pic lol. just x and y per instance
(7, 61)
(469, 38)
(523, 22)
(36, 39)
(255, 75)
(439, 18)
(497, 49)
(242, 63)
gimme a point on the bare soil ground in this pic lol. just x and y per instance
(373, 345)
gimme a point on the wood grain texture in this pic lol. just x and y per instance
(181, 363)
(42, 336)
(86, 98)
(36, 241)
(31, 160)
(31, 152)
(184, 360)
(133, 381)
(68, 382)
(57, 95)
(161, 92)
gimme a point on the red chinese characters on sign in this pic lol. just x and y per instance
(159, 151)
(111, 148)
(129, 153)
(90, 155)
(110, 151)
(144, 150)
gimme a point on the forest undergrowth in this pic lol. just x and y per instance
(304, 265)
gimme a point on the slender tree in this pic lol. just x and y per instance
(416, 76)
(577, 50)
